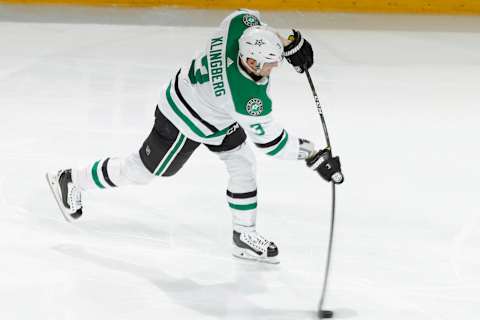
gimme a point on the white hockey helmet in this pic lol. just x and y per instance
(260, 44)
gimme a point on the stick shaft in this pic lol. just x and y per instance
(332, 218)
(329, 252)
(319, 110)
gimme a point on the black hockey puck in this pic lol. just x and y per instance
(325, 314)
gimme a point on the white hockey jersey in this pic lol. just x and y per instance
(208, 96)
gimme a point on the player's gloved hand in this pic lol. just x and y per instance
(306, 149)
(299, 52)
(327, 166)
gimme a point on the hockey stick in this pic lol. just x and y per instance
(324, 313)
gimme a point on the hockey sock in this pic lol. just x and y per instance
(112, 172)
(243, 206)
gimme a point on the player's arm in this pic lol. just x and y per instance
(277, 142)
(274, 140)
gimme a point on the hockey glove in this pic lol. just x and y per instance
(306, 149)
(299, 52)
(328, 167)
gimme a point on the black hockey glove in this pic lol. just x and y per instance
(299, 52)
(328, 167)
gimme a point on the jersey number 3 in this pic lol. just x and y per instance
(259, 131)
(198, 72)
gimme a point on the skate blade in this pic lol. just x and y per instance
(51, 179)
(245, 254)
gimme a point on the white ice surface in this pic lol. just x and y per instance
(402, 108)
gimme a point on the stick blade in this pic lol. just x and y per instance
(325, 314)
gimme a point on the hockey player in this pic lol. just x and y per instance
(217, 99)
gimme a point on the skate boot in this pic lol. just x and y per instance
(67, 194)
(252, 246)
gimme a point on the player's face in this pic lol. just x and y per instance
(267, 68)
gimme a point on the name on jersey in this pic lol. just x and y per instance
(216, 66)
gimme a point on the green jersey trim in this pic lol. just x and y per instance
(187, 120)
(280, 146)
(249, 97)
(95, 177)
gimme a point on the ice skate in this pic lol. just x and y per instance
(67, 194)
(252, 246)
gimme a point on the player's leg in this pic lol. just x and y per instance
(166, 149)
(162, 154)
(242, 198)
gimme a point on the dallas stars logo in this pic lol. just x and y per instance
(255, 107)
(259, 42)
(250, 20)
